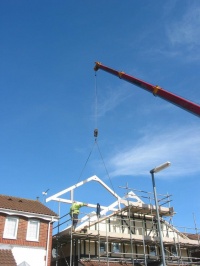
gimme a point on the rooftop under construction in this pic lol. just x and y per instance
(126, 231)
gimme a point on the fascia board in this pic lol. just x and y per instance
(30, 215)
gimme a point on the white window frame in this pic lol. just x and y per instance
(8, 227)
(29, 235)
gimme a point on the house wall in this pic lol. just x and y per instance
(21, 233)
(137, 227)
(127, 250)
(24, 249)
(33, 256)
(126, 238)
(130, 251)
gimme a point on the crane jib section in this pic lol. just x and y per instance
(155, 90)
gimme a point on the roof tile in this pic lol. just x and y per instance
(103, 263)
(24, 205)
(192, 236)
(7, 258)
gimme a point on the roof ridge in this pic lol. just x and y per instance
(25, 205)
(16, 197)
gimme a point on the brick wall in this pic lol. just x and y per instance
(2, 223)
(21, 235)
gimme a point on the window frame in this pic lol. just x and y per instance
(116, 247)
(174, 251)
(29, 237)
(152, 250)
(102, 247)
(6, 227)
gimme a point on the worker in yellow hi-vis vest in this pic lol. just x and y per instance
(74, 212)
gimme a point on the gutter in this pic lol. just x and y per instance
(48, 240)
(30, 215)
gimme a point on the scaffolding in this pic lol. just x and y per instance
(129, 235)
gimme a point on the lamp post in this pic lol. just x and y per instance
(156, 170)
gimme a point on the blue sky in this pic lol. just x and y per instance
(48, 103)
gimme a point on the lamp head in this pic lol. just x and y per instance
(160, 167)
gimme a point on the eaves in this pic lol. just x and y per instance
(30, 215)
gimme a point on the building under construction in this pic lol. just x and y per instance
(129, 231)
(125, 232)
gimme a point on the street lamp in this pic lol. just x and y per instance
(156, 170)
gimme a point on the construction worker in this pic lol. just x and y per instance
(74, 212)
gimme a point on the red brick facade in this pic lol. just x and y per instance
(45, 228)
(21, 235)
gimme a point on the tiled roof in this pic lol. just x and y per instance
(97, 263)
(24, 205)
(193, 236)
(7, 258)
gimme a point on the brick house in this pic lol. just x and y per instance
(26, 231)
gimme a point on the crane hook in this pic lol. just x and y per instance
(96, 133)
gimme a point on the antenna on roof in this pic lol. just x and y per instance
(44, 194)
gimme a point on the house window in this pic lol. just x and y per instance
(11, 226)
(116, 247)
(174, 250)
(33, 230)
(152, 250)
(102, 247)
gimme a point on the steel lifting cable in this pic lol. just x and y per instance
(104, 165)
(96, 106)
(86, 162)
(95, 141)
(96, 130)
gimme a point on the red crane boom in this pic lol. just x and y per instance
(156, 90)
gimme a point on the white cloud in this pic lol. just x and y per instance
(111, 100)
(179, 146)
(185, 31)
